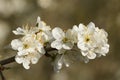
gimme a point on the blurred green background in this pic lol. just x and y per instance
(62, 13)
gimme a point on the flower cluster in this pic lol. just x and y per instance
(88, 41)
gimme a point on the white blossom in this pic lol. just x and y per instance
(43, 31)
(31, 46)
(26, 58)
(62, 40)
(29, 50)
(92, 41)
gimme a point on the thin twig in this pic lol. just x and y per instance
(50, 49)
(2, 76)
(7, 61)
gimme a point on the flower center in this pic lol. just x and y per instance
(87, 38)
(65, 40)
(26, 46)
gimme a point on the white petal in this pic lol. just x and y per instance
(56, 44)
(18, 59)
(91, 55)
(22, 52)
(68, 45)
(75, 28)
(91, 28)
(105, 49)
(19, 31)
(34, 60)
(80, 38)
(31, 49)
(46, 36)
(68, 34)
(45, 27)
(16, 43)
(82, 46)
(91, 25)
(42, 26)
(26, 64)
(49, 36)
(104, 32)
(102, 50)
(38, 19)
(75, 31)
(41, 49)
(82, 28)
(58, 33)
(84, 53)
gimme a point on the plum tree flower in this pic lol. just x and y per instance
(28, 57)
(43, 31)
(29, 50)
(92, 41)
(31, 46)
(62, 40)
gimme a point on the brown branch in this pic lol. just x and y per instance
(4, 62)
(2, 76)
(7, 61)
